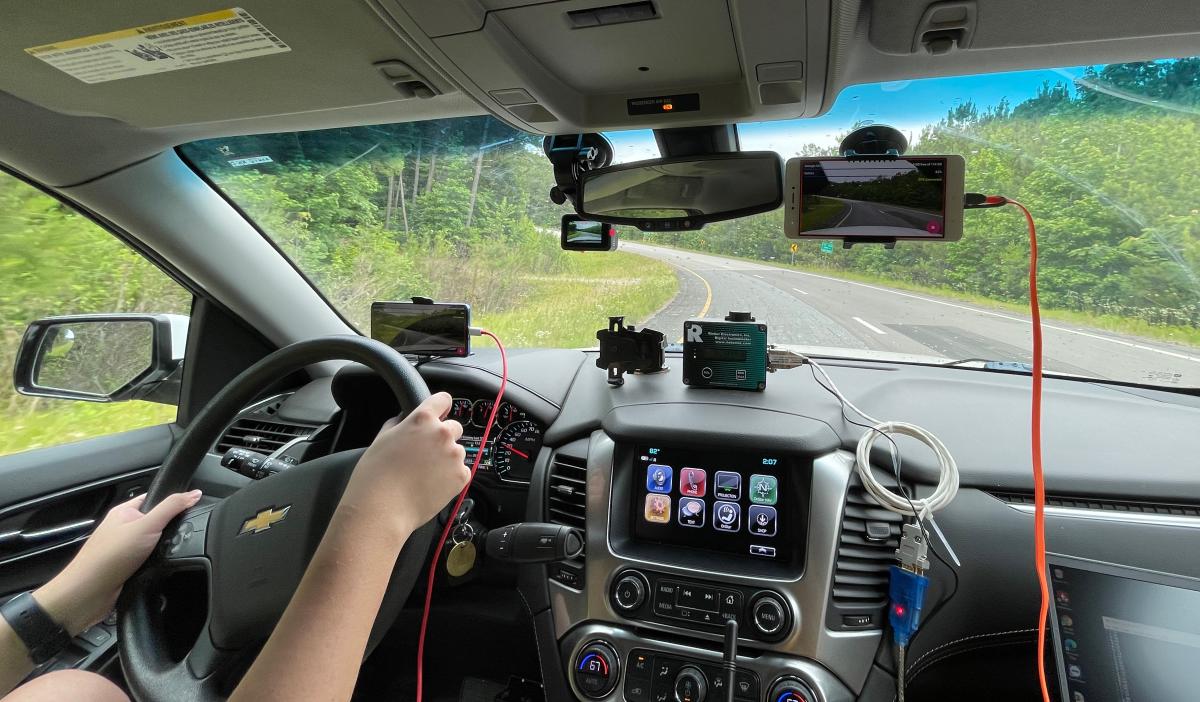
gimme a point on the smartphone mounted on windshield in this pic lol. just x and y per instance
(874, 198)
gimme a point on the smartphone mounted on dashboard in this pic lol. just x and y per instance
(423, 327)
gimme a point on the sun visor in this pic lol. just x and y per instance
(154, 64)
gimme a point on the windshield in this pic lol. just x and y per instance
(1104, 156)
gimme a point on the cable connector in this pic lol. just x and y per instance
(913, 553)
(475, 331)
(979, 201)
(906, 590)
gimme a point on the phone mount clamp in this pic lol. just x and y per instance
(623, 350)
(875, 142)
(570, 155)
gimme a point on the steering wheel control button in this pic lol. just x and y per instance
(690, 685)
(188, 539)
(769, 615)
(791, 690)
(596, 670)
(629, 594)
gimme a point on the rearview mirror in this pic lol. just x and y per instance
(101, 357)
(675, 194)
(587, 235)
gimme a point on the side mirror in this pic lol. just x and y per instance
(579, 234)
(102, 357)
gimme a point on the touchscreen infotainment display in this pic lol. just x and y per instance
(740, 504)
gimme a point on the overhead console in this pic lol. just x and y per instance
(593, 65)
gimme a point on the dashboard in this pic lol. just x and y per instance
(700, 507)
(513, 445)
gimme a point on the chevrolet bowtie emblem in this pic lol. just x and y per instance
(265, 519)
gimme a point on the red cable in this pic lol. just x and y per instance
(437, 553)
(1039, 485)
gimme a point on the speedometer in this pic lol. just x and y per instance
(515, 450)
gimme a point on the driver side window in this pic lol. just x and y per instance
(54, 261)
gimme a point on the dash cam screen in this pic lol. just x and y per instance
(903, 197)
(734, 503)
(423, 330)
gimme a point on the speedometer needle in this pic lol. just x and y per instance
(517, 451)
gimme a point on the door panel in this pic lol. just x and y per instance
(50, 499)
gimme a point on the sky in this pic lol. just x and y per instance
(907, 105)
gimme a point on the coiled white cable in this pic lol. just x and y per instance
(923, 508)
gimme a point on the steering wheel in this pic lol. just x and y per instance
(253, 546)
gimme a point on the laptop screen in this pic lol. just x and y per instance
(1124, 635)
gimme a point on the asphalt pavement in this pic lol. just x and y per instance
(816, 309)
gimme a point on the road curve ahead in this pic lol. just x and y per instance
(814, 309)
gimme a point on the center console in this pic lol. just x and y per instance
(681, 540)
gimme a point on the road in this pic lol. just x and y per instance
(811, 309)
(859, 213)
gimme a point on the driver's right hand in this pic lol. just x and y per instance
(411, 471)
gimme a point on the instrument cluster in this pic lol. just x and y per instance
(513, 444)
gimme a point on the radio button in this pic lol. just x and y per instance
(769, 615)
(629, 593)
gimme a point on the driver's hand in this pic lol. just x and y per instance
(411, 471)
(86, 590)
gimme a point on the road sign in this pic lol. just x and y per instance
(795, 247)
(826, 247)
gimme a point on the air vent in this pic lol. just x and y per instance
(566, 494)
(261, 436)
(866, 548)
(1103, 505)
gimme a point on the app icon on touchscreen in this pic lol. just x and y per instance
(761, 520)
(691, 512)
(658, 478)
(728, 485)
(658, 508)
(764, 489)
(693, 482)
(727, 516)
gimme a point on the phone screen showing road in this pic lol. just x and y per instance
(902, 197)
(424, 330)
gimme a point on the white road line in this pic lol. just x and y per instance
(1142, 347)
(849, 211)
(756, 275)
(868, 325)
(800, 291)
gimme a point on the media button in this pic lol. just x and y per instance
(727, 516)
(691, 511)
(766, 551)
(728, 485)
(764, 489)
(762, 520)
(658, 478)
(658, 508)
(693, 482)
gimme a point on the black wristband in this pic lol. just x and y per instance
(43, 636)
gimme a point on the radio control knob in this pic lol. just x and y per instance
(629, 593)
(690, 685)
(791, 690)
(769, 615)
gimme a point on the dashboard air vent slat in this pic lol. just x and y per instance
(566, 491)
(260, 436)
(860, 579)
(1103, 504)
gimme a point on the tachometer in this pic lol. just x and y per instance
(515, 450)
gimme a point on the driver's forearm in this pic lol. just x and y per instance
(318, 645)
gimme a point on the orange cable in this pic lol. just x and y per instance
(1039, 484)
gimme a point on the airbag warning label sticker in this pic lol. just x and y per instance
(215, 37)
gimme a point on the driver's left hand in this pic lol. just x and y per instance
(86, 590)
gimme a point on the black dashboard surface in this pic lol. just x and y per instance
(1099, 440)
